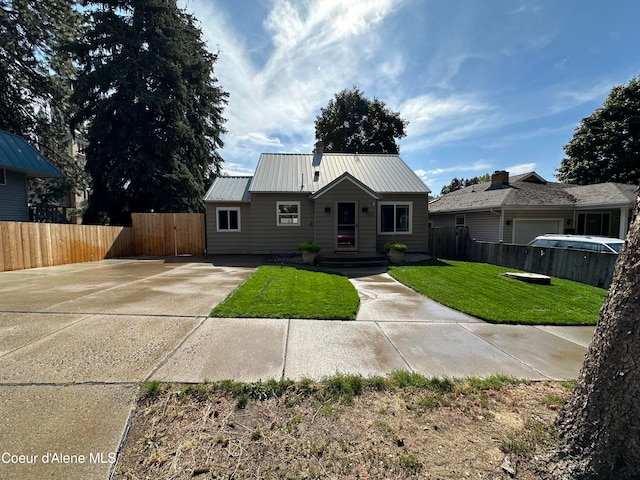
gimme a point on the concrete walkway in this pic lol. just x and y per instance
(76, 340)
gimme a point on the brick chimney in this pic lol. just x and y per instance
(499, 178)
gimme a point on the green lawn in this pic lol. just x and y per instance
(478, 290)
(287, 292)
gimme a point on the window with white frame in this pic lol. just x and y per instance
(460, 220)
(288, 214)
(395, 217)
(228, 219)
(3, 177)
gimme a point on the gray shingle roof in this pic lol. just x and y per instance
(309, 173)
(611, 194)
(17, 154)
(528, 194)
(229, 189)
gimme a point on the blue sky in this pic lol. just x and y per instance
(484, 84)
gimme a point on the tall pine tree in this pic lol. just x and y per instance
(35, 77)
(152, 107)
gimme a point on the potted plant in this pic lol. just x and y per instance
(396, 251)
(309, 251)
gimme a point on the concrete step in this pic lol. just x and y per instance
(352, 261)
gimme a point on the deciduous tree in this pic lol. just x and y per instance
(606, 145)
(152, 106)
(458, 183)
(351, 123)
(600, 424)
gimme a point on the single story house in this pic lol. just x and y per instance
(347, 203)
(519, 208)
(19, 160)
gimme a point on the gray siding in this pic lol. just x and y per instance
(271, 238)
(483, 226)
(13, 198)
(229, 242)
(326, 225)
(417, 240)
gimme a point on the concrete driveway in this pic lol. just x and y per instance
(76, 340)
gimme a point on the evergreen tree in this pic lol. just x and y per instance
(152, 107)
(35, 75)
(351, 123)
(606, 145)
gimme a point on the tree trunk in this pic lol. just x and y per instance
(600, 424)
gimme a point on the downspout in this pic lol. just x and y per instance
(501, 226)
(624, 223)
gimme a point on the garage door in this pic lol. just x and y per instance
(526, 230)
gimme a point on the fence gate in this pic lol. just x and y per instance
(166, 234)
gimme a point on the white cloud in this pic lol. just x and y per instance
(567, 97)
(259, 139)
(442, 176)
(317, 48)
(435, 120)
(236, 170)
(521, 168)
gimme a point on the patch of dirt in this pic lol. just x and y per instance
(400, 433)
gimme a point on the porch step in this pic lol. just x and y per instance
(352, 261)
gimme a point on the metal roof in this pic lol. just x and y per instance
(287, 172)
(17, 154)
(229, 189)
(346, 176)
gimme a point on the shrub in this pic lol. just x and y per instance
(308, 247)
(400, 247)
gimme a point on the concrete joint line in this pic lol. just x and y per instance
(170, 354)
(50, 334)
(395, 348)
(70, 384)
(119, 285)
(286, 349)
(504, 351)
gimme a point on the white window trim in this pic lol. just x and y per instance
(228, 230)
(292, 202)
(381, 204)
(464, 220)
(3, 176)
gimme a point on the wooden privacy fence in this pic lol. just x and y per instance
(448, 242)
(162, 234)
(30, 245)
(592, 268)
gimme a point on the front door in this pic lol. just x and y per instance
(346, 228)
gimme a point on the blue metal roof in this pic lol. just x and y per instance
(17, 154)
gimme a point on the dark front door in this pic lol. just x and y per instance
(347, 225)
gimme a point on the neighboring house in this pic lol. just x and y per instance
(19, 160)
(347, 203)
(517, 209)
